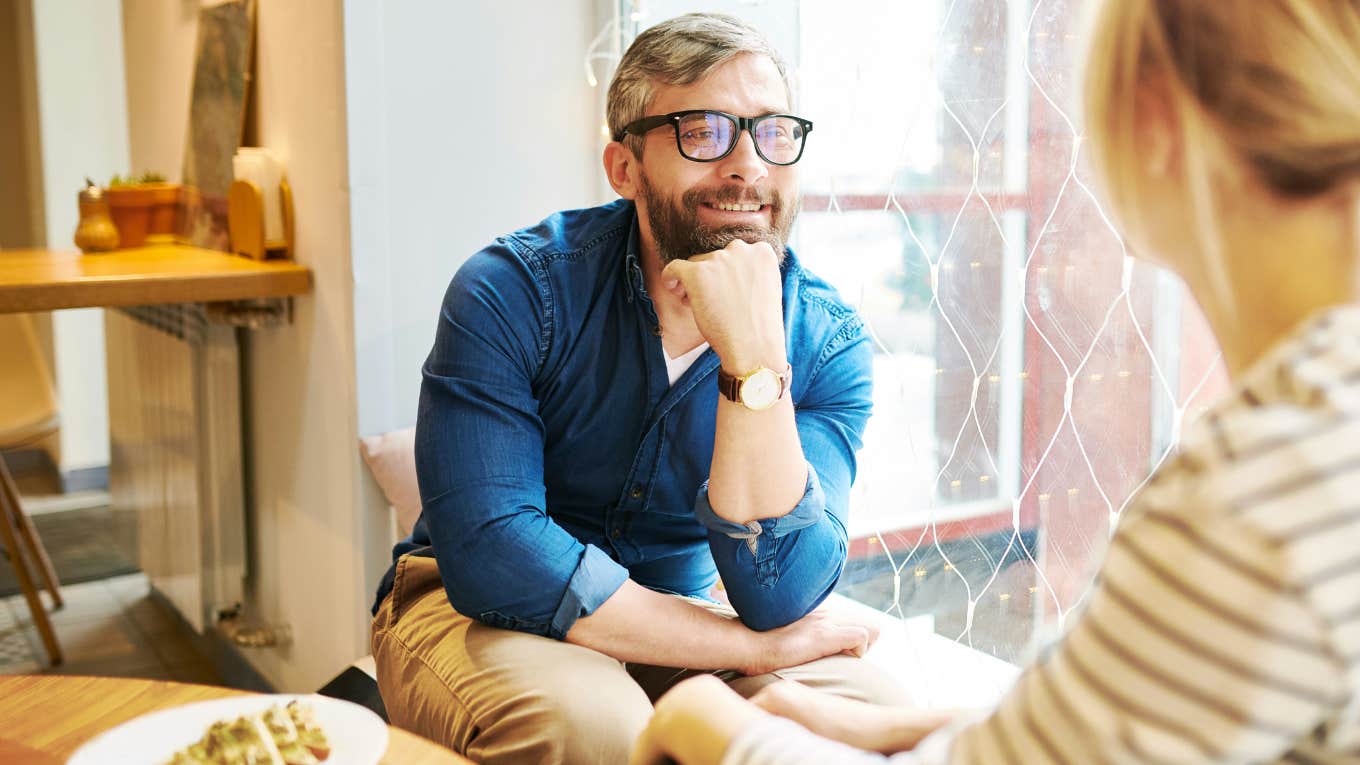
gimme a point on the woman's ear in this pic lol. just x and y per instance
(621, 167)
(1158, 132)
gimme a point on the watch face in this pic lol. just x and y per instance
(761, 390)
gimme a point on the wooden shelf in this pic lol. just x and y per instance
(44, 280)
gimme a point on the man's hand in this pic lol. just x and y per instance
(737, 301)
(816, 635)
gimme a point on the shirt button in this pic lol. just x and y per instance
(656, 330)
(636, 493)
(617, 533)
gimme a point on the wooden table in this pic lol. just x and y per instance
(44, 280)
(45, 718)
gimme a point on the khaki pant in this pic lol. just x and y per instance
(500, 696)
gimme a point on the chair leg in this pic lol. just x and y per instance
(29, 536)
(9, 536)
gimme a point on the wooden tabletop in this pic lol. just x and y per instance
(45, 718)
(44, 280)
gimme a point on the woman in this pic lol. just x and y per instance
(1224, 626)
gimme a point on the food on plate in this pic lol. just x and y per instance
(277, 736)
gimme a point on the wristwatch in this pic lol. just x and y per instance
(756, 390)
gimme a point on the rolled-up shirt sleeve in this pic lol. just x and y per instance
(777, 570)
(479, 459)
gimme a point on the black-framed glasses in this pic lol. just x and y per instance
(705, 135)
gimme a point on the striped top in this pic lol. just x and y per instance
(1224, 625)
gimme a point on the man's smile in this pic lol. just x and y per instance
(734, 212)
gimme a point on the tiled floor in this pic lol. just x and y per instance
(107, 627)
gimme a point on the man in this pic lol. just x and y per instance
(623, 404)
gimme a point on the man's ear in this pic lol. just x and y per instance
(621, 168)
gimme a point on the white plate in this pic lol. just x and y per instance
(356, 735)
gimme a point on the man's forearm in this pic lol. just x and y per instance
(734, 297)
(638, 625)
(758, 468)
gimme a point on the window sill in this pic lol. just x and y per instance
(939, 672)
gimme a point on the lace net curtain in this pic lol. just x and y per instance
(1029, 375)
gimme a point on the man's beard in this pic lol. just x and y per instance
(680, 235)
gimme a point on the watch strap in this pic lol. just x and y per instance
(730, 385)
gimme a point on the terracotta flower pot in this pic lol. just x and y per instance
(143, 209)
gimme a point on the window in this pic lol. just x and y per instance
(1028, 376)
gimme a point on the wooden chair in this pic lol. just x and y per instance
(28, 413)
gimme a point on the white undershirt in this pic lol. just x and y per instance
(677, 367)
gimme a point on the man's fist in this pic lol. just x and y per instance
(736, 297)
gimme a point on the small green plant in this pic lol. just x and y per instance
(132, 180)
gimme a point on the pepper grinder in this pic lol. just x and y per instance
(95, 232)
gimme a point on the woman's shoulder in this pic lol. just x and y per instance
(1284, 444)
(1264, 488)
(1275, 466)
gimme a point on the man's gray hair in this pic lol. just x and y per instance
(680, 51)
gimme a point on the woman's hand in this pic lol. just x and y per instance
(861, 725)
(693, 723)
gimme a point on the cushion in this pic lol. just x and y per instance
(391, 457)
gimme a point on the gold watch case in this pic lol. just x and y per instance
(756, 390)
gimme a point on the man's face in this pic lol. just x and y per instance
(680, 200)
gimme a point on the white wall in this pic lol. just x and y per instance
(159, 40)
(467, 120)
(82, 112)
(305, 459)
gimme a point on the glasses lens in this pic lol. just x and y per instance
(780, 139)
(705, 136)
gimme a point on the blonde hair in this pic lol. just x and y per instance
(680, 51)
(1268, 86)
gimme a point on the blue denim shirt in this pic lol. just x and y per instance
(555, 459)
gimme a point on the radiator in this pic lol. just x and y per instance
(175, 434)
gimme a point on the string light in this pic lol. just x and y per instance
(596, 52)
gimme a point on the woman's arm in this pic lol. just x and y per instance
(873, 727)
(694, 722)
(698, 719)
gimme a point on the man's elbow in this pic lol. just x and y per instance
(791, 597)
(472, 601)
